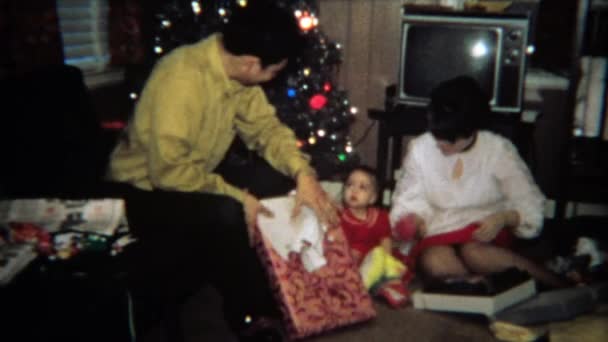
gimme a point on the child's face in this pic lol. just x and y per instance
(359, 190)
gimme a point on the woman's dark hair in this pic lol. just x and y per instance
(458, 108)
(265, 30)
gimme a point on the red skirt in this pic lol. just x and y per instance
(457, 237)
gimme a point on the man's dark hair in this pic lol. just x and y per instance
(458, 108)
(264, 30)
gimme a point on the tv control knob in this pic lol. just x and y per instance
(515, 35)
(514, 53)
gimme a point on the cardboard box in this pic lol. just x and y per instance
(487, 305)
(315, 296)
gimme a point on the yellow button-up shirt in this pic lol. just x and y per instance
(185, 120)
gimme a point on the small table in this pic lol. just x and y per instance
(393, 125)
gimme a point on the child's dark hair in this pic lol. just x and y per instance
(458, 108)
(265, 30)
(371, 172)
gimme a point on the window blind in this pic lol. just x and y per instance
(84, 27)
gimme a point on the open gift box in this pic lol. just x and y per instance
(311, 272)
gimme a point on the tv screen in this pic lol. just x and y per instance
(470, 51)
(437, 46)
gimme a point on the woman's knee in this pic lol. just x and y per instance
(473, 253)
(481, 257)
(442, 262)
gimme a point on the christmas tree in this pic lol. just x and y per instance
(306, 96)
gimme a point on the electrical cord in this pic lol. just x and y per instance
(365, 134)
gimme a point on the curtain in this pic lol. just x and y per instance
(29, 35)
(126, 38)
(84, 29)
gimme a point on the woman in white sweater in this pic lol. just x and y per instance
(466, 191)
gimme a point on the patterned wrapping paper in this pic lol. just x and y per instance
(327, 298)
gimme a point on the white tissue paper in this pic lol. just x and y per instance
(302, 234)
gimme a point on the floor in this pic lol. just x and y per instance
(201, 323)
(66, 304)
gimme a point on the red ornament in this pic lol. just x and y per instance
(113, 125)
(317, 101)
(327, 87)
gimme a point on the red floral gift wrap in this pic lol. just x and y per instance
(324, 299)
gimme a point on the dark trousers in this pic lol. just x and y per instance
(186, 240)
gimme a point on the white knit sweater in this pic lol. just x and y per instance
(494, 178)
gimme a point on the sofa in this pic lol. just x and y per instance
(51, 140)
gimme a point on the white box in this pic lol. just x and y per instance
(18, 256)
(487, 305)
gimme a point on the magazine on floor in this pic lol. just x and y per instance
(98, 216)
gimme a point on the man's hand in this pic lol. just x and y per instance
(252, 208)
(310, 194)
(491, 225)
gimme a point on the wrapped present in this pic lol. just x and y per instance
(311, 271)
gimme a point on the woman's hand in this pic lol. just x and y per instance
(252, 208)
(492, 224)
(310, 193)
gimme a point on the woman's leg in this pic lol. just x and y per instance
(485, 258)
(442, 262)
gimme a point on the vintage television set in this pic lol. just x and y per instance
(439, 45)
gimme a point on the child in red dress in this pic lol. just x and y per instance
(368, 232)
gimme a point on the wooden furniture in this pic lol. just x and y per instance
(583, 166)
(393, 126)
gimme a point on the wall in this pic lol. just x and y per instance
(369, 32)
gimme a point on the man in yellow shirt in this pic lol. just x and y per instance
(193, 224)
